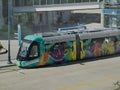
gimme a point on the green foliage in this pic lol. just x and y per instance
(117, 84)
(1, 46)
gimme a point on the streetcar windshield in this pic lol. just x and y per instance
(23, 51)
(29, 50)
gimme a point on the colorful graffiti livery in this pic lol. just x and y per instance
(41, 50)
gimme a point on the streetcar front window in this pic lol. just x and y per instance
(23, 51)
(29, 50)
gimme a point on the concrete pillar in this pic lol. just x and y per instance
(102, 14)
(1, 14)
(102, 19)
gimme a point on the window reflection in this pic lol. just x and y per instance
(43, 2)
(56, 1)
(93, 0)
(28, 2)
(85, 1)
(36, 2)
(64, 1)
(78, 1)
(71, 1)
(48, 2)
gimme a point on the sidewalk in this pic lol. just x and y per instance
(4, 63)
(13, 53)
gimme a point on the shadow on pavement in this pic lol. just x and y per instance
(81, 62)
(9, 69)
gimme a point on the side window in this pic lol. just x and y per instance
(34, 50)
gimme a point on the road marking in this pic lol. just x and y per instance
(93, 82)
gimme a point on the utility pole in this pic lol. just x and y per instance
(10, 12)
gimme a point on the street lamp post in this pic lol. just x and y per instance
(9, 28)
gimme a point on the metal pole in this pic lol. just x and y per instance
(9, 29)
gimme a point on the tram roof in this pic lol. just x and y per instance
(63, 36)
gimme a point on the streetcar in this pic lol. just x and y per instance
(55, 47)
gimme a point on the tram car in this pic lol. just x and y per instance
(49, 48)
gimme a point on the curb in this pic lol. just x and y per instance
(9, 65)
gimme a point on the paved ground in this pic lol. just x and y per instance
(95, 75)
(13, 49)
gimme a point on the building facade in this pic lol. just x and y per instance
(47, 12)
(111, 13)
(1, 14)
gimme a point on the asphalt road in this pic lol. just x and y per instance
(91, 75)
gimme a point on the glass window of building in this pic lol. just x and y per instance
(43, 2)
(71, 1)
(78, 1)
(107, 4)
(106, 1)
(85, 1)
(49, 1)
(40, 18)
(57, 2)
(28, 2)
(64, 1)
(106, 22)
(118, 1)
(113, 2)
(19, 2)
(113, 21)
(118, 21)
(30, 18)
(93, 0)
(36, 2)
(16, 3)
